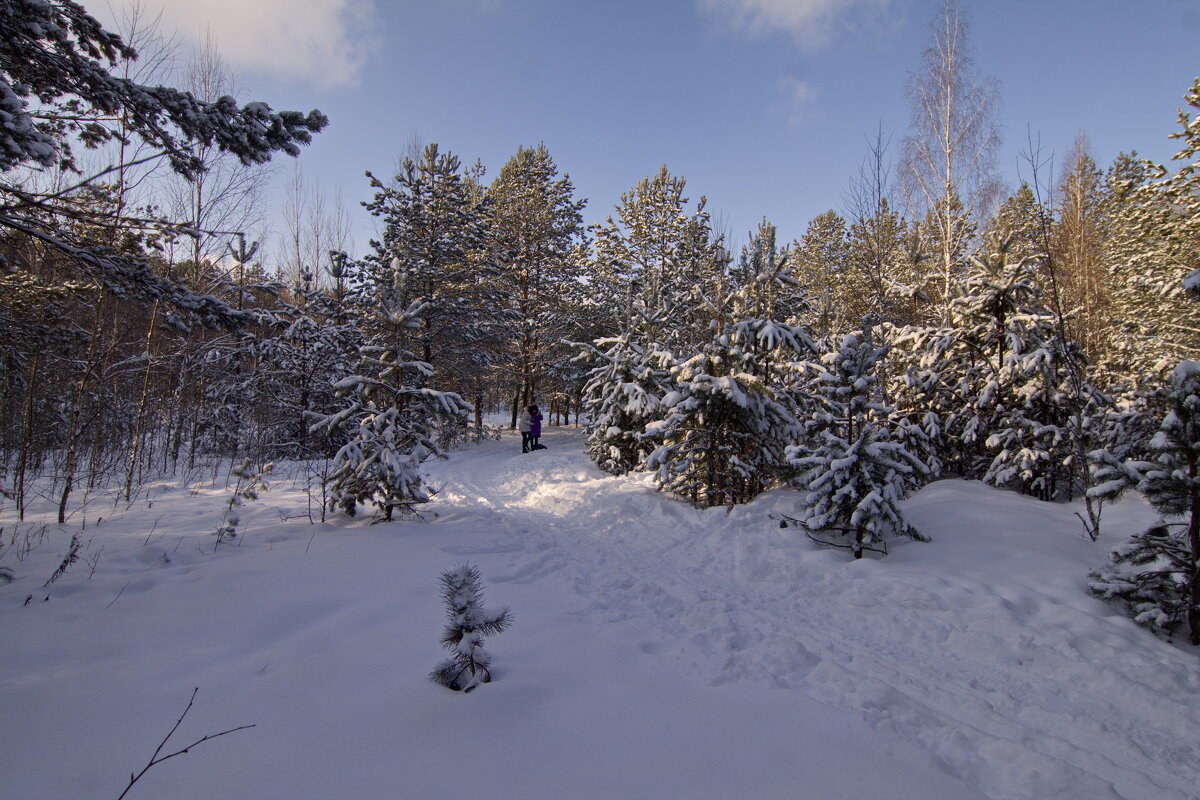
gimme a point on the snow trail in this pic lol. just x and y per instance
(981, 646)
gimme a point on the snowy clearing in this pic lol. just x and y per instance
(657, 651)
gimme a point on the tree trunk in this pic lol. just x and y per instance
(74, 431)
(1194, 578)
(26, 438)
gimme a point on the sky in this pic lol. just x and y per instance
(765, 106)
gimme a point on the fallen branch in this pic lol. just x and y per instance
(786, 521)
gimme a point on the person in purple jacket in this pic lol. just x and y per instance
(535, 427)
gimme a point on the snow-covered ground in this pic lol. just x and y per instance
(657, 651)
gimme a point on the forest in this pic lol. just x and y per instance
(1037, 338)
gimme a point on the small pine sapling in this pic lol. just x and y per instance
(249, 483)
(466, 624)
(70, 558)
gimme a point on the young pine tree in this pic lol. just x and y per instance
(1156, 573)
(856, 464)
(466, 624)
(724, 427)
(391, 418)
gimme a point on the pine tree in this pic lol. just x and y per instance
(60, 64)
(821, 265)
(1156, 574)
(536, 226)
(392, 419)
(855, 461)
(655, 255)
(649, 265)
(1155, 246)
(435, 227)
(1078, 242)
(1018, 229)
(314, 340)
(623, 393)
(721, 438)
(881, 249)
(467, 623)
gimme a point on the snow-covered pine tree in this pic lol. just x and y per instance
(726, 423)
(58, 63)
(856, 462)
(466, 624)
(1156, 573)
(623, 392)
(649, 264)
(315, 339)
(995, 387)
(654, 257)
(1152, 251)
(1018, 403)
(392, 417)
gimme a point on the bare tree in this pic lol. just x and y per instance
(948, 162)
(314, 226)
(226, 194)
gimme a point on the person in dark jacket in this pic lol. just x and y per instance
(535, 427)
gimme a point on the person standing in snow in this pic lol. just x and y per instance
(535, 427)
(525, 425)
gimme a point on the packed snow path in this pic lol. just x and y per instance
(982, 646)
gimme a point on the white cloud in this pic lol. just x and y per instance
(812, 23)
(324, 41)
(799, 97)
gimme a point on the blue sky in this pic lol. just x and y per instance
(763, 105)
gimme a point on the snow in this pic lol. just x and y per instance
(1191, 281)
(656, 650)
